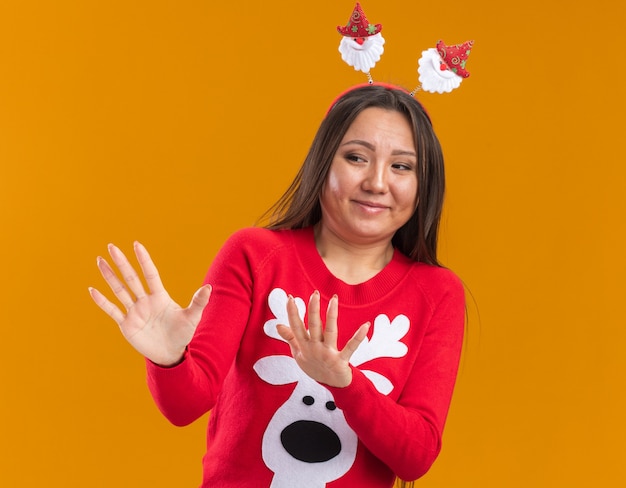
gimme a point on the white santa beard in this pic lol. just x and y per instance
(363, 57)
(432, 77)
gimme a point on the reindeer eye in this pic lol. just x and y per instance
(331, 405)
(308, 400)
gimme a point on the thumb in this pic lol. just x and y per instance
(353, 344)
(199, 300)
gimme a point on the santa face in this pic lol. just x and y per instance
(371, 188)
(362, 53)
(435, 75)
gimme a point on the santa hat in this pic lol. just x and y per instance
(358, 26)
(455, 57)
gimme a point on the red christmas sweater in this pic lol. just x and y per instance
(273, 426)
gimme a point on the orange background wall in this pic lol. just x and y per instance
(176, 123)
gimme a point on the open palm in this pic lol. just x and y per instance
(153, 323)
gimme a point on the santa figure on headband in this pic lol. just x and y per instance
(442, 69)
(362, 43)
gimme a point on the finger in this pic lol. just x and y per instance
(149, 270)
(295, 323)
(129, 275)
(119, 290)
(353, 344)
(288, 336)
(314, 319)
(331, 331)
(286, 333)
(108, 307)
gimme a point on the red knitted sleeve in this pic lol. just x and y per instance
(185, 392)
(406, 435)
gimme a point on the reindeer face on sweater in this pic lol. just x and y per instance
(308, 442)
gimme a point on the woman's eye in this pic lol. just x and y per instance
(354, 158)
(403, 167)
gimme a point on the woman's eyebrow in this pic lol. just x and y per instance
(400, 152)
(371, 147)
(360, 143)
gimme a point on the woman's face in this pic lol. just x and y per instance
(371, 188)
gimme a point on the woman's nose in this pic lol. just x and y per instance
(376, 179)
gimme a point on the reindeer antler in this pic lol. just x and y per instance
(277, 301)
(385, 342)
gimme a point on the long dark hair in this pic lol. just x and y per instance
(403, 484)
(300, 207)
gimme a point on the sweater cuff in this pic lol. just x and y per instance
(355, 393)
(154, 368)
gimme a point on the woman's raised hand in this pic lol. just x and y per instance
(153, 323)
(315, 350)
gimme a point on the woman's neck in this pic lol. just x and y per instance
(351, 262)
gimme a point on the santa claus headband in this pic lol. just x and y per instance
(441, 69)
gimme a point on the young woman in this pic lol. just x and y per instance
(328, 351)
